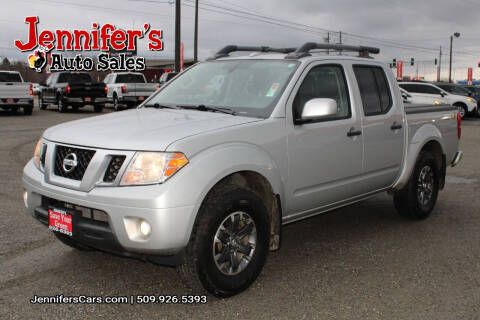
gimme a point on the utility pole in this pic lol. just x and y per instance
(439, 65)
(195, 39)
(327, 40)
(340, 38)
(177, 34)
(456, 35)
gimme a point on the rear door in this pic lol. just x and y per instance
(323, 160)
(383, 127)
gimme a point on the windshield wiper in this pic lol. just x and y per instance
(160, 106)
(202, 107)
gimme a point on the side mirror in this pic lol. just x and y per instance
(318, 108)
(443, 94)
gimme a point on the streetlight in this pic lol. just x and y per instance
(456, 35)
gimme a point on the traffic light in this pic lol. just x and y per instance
(394, 63)
(436, 61)
(412, 62)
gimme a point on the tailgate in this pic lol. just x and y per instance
(91, 90)
(14, 90)
(141, 89)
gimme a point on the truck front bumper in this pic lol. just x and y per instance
(119, 232)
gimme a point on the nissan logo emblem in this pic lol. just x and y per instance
(70, 162)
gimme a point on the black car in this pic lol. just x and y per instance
(461, 90)
(75, 89)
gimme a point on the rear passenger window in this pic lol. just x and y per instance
(374, 89)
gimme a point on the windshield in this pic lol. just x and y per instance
(10, 77)
(74, 78)
(248, 87)
(455, 90)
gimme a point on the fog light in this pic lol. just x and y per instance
(145, 228)
(25, 198)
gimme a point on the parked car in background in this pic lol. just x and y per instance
(413, 98)
(475, 90)
(75, 89)
(15, 93)
(128, 89)
(203, 179)
(167, 76)
(464, 104)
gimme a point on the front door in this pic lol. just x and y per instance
(324, 160)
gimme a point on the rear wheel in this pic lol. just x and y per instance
(417, 199)
(98, 108)
(229, 243)
(28, 110)
(116, 105)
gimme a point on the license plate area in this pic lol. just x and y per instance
(10, 100)
(141, 98)
(60, 221)
(88, 99)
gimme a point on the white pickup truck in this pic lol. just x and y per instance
(15, 93)
(206, 171)
(128, 89)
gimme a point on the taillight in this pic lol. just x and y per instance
(67, 89)
(124, 89)
(106, 89)
(459, 126)
(31, 89)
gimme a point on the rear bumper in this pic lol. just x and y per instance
(18, 103)
(131, 99)
(458, 157)
(82, 100)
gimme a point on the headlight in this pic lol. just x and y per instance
(152, 167)
(436, 102)
(469, 99)
(38, 153)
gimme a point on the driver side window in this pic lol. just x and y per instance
(325, 81)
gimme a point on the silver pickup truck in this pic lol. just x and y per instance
(206, 171)
(128, 89)
(15, 93)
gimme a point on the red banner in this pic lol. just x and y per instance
(399, 69)
(470, 75)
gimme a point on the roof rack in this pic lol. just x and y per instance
(225, 51)
(304, 50)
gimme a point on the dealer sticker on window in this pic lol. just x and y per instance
(272, 90)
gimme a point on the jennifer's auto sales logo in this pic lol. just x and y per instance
(107, 39)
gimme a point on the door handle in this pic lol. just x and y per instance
(352, 132)
(396, 126)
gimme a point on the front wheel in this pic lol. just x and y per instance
(229, 242)
(41, 104)
(116, 103)
(462, 110)
(62, 108)
(417, 199)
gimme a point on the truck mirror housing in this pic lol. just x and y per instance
(319, 107)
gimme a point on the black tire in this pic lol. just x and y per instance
(116, 105)
(98, 108)
(462, 109)
(62, 108)
(66, 240)
(407, 201)
(201, 271)
(41, 104)
(28, 110)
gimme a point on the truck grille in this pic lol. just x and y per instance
(82, 157)
(113, 168)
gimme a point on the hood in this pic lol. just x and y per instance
(146, 129)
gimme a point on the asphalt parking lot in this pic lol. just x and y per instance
(360, 262)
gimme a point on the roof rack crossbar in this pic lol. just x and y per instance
(225, 51)
(304, 50)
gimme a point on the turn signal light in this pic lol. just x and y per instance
(67, 89)
(177, 161)
(124, 89)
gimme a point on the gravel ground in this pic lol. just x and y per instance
(360, 262)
